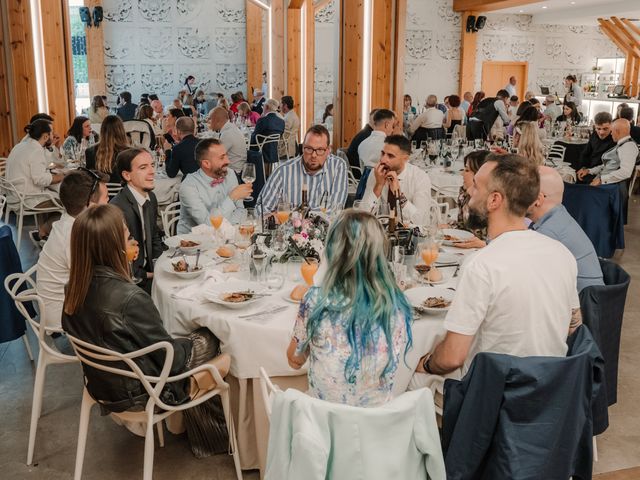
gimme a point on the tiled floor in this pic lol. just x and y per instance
(113, 452)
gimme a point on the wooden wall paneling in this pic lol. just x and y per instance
(635, 78)
(24, 94)
(6, 135)
(310, 62)
(398, 55)
(278, 44)
(628, 64)
(294, 75)
(95, 55)
(381, 53)
(635, 45)
(351, 27)
(488, 5)
(56, 39)
(254, 48)
(468, 53)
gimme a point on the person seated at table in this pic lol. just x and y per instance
(551, 219)
(246, 115)
(619, 162)
(269, 124)
(361, 136)
(126, 108)
(369, 150)
(488, 111)
(530, 115)
(100, 287)
(393, 172)
(79, 137)
(628, 114)
(145, 114)
(26, 169)
(527, 141)
(98, 109)
(169, 126)
(324, 174)
(181, 157)
(551, 111)
(231, 137)
(472, 163)
(570, 113)
(158, 112)
(599, 143)
(140, 207)
(288, 147)
(355, 327)
(113, 140)
(211, 187)
(518, 295)
(52, 152)
(258, 102)
(79, 190)
(455, 115)
(429, 124)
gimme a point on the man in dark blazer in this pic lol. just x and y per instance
(270, 123)
(182, 156)
(140, 207)
(126, 109)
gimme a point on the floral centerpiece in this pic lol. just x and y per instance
(305, 236)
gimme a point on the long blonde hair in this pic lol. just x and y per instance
(97, 238)
(529, 145)
(113, 140)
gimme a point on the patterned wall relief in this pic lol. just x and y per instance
(120, 78)
(446, 13)
(117, 10)
(327, 14)
(189, 8)
(192, 44)
(522, 48)
(418, 43)
(231, 11)
(231, 77)
(158, 79)
(229, 41)
(155, 10)
(120, 47)
(448, 45)
(155, 43)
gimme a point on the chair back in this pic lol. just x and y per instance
(459, 131)
(268, 390)
(556, 153)
(113, 189)
(3, 166)
(170, 217)
(3, 202)
(12, 324)
(263, 140)
(139, 133)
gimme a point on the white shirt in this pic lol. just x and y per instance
(430, 118)
(370, 149)
(511, 89)
(575, 94)
(416, 186)
(27, 170)
(236, 145)
(516, 296)
(291, 128)
(140, 200)
(553, 111)
(53, 269)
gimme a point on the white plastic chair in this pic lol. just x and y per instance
(47, 356)
(556, 153)
(3, 202)
(634, 177)
(261, 141)
(113, 189)
(268, 390)
(3, 165)
(170, 216)
(139, 133)
(101, 359)
(352, 181)
(21, 210)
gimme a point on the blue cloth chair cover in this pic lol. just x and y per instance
(12, 325)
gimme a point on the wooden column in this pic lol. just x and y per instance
(278, 43)
(6, 133)
(468, 51)
(626, 41)
(382, 53)
(56, 40)
(254, 48)
(398, 57)
(95, 55)
(310, 63)
(294, 74)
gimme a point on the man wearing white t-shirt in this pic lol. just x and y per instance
(518, 295)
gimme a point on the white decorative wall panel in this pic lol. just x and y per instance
(326, 69)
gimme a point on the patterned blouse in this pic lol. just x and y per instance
(329, 351)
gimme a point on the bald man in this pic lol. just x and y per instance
(550, 218)
(617, 163)
(231, 137)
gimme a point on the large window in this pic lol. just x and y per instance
(79, 57)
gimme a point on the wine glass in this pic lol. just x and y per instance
(249, 176)
(216, 218)
(283, 212)
(259, 259)
(308, 270)
(132, 251)
(279, 244)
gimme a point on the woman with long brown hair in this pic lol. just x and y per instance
(113, 140)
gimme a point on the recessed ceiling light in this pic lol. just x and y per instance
(521, 11)
(573, 3)
(544, 6)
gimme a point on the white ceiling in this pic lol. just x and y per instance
(577, 12)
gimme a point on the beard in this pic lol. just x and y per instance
(220, 172)
(476, 219)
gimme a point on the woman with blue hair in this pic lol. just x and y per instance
(356, 327)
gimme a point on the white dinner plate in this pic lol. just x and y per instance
(216, 293)
(448, 259)
(418, 295)
(191, 260)
(204, 242)
(286, 295)
(461, 235)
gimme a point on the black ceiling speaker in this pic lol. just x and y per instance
(471, 23)
(480, 22)
(85, 16)
(97, 16)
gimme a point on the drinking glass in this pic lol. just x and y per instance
(242, 241)
(383, 209)
(294, 267)
(279, 244)
(249, 176)
(283, 212)
(132, 250)
(216, 218)
(276, 274)
(308, 270)
(259, 259)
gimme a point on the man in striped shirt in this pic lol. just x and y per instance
(324, 174)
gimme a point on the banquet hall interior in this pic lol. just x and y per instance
(286, 239)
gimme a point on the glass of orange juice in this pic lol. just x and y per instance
(308, 270)
(216, 218)
(429, 250)
(132, 252)
(283, 212)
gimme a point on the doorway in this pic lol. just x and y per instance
(495, 76)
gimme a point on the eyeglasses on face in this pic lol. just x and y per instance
(317, 151)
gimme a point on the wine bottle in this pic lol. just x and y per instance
(304, 205)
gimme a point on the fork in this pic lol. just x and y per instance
(175, 252)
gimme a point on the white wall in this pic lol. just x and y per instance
(432, 48)
(327, 27)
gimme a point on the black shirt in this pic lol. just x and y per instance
(352, 151)
(592, 154)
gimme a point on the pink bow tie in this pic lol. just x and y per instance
(217, 181)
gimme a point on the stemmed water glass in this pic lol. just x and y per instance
(249, 176)
(259, 259)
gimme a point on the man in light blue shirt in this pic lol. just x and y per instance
(551, 219)
(211, 187)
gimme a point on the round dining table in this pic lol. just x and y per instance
(255, 338)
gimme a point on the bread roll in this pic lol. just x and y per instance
(225, 251)
(434, 275)
(298, 292)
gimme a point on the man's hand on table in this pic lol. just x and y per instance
(582, 173)
(596, 182)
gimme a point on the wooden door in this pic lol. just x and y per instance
(495, 76)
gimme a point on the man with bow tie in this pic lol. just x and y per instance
(210, 187)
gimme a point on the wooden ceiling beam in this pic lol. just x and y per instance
(320, 5)
(296, 4)
(488, 5)
(633, 43)
(632, 26)
(614, 34)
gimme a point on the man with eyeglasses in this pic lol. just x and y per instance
(79, 189)
(324, 174)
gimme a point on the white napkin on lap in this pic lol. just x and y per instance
(195, 292)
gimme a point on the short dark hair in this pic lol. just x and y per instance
(288, 101)
(627, 113)
(522, 107)
(382, 115)
(503, 94)
(126, 96)
(603, 117)
(571, 77)
(476, 159)
(153, 96)
(514, 98)
(203, 147)
(125, 158)
(400, 141)
(534, 101)
(176, 112)
(517, 179)
(318, 130)
(38, 128)
(185, 125)
(41, 116)
(454, 101)
(76, 188)
(75, 130)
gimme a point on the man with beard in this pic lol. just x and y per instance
(211, 188)
(518, 295)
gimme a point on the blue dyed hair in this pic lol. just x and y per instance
(359, 280)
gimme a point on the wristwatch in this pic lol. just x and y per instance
(425, 365)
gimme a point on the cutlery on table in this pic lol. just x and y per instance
(261, 314)
(197, 259)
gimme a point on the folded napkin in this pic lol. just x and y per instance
(195, 292)
(227, 230)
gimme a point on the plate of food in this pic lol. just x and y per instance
(451, 236)
(188, 243)
(185, 267)
(430, 299)
(235, 294)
